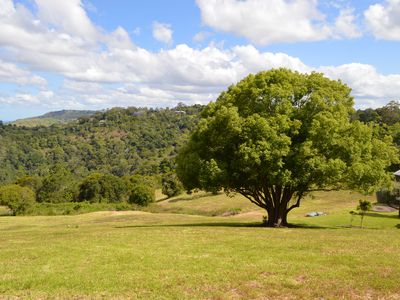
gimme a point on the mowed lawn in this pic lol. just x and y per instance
(147, 255)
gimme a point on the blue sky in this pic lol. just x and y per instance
(88, 54)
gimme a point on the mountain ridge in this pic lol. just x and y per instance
(54, 117)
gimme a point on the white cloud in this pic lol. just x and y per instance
(201, 36)
(69, 16)
(366, 82)
(345, 24)
(275, 21)
(12, 73)
(136, 31)
(107, 69)
(162, 32)
(21, 30)
(252, 61)
(384, 20)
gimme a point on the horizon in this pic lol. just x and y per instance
(93, 54)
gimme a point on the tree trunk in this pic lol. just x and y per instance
(277, 218)
(275, 201)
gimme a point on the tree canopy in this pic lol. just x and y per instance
(19, 199)
(278, 135)
(117, 141)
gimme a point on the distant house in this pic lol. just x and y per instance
(397, 175)
(137, 113)
(390, 196)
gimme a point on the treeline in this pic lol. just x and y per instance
(386, 118)
(118, 142)
(116, 157)
(61, 187)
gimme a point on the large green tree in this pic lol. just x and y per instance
(278, 135)
(18, 198)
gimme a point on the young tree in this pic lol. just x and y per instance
(362, 209)
(278, 135)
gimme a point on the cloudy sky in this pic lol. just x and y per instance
(95, 54)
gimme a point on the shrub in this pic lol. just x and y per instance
(134, 180)
(99, 187)
(141, 195)
(32, 182)
(171, 186)
(19, 199)
(58, 187)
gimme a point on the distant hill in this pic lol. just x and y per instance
(54, 117)
(120, 141)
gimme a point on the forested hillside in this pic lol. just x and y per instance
(118, 141)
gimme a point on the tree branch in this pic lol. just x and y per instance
(250, 196)
(297, 204)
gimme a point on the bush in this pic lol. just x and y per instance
(134, 180)
(141, 195)
(99, 187)
(32, 182)
(19, 199)
(58, 187)
(171, 186)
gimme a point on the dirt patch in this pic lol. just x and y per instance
(251, 214)
(383, 208)
(118, 213)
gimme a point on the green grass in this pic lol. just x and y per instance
(142, 255)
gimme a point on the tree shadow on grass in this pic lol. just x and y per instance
(206, 224)
(191, 197)
(225, 224)
(380, 215)
(310, 226)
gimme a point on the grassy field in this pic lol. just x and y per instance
(162, 254)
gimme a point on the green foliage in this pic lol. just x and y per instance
(277, 135)
(141, 195)
(98, 187)
(59, 186)
(117, 141)
(171, 185)
(19, 199)
(390, 113)
(367, 116)
(32, 182)
(363, 207)
(133, 180)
